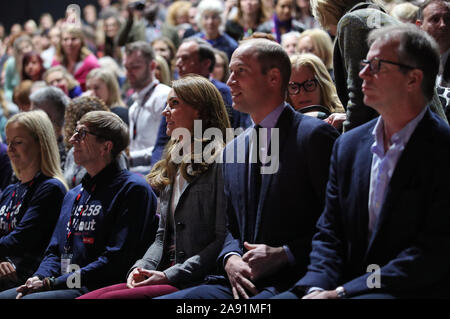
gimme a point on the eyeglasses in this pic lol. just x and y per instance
(80, 134)
(375, 64)
(308, 85)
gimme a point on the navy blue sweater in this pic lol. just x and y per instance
(115, 229)
(26, 233)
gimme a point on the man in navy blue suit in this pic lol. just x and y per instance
(272, 209)
(385, 230)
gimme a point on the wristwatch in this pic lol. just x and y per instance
(341, 293)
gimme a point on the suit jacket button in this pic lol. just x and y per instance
(180, 225)
(181, 254)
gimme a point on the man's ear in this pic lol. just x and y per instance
(415, 78)
(152, 65)
(206, 63)
(274, 77)
(107, 147)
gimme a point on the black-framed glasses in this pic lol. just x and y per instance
(375, 64)
(308, 85)
(80, 134)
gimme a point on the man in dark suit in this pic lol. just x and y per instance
(272, 209)
(385, 230)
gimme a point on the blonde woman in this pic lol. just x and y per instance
(191, 198)
(311, 90)
(29, 208)
(102, 83)
(74, 55)
(162, 72)
(59, 76)
(318, 42)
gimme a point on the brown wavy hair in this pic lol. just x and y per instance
(75, 111)
(202, 95)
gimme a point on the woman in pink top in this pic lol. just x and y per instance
(74, 54)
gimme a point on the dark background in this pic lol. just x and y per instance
(19, 11)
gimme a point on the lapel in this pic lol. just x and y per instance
(241, 170)
(363, 164)
(186, 186)
(284, 124)
(402, 178)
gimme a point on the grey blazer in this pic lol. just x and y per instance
(199, 225)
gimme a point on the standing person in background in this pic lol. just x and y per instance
(351, 21)
(104, 224)
(434, 18)
(29, 208)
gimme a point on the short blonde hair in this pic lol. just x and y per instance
(323, 46)
(72, 82)
(329, 97)
(405, 12)
(110, 80)
(39, 126)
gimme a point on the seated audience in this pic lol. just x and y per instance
(104, 224)
(312, 92)
(268, 233)
(282, 20)
(32, 66)
(289, 42)
(74, 172)
(53, 101)
(178, 258)
(59, 77)
(384, 231)
(29, 208)
(221, 71)
(162, 72)
(102, 83)
(210, 20)
(318, 42)
(249, 15)
(74, 55)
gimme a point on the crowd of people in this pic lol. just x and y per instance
(219, 149)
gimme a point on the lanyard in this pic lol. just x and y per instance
(74, 178)
(17, 200)
(139, 108)
(74, 221)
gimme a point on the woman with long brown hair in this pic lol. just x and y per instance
(192, 208)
